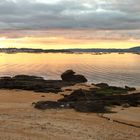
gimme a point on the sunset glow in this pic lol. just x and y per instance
(69, 69)
(59, 24)
(62, 39)
(62, 43)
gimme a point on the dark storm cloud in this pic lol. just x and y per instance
(95, 14)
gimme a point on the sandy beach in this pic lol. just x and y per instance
(19, 120)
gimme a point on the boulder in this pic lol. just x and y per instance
(102, 85)
(67, 73)
(130, 88)
(70, 76)
(37, 84)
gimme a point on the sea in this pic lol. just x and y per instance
(112, 68)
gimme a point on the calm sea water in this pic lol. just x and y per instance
(115, 69)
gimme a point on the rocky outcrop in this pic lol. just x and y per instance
(102, 85)
(130, 88)
(70, 76)
(50, 104)
(38, 84)
(93, 100)
(34, 83)
(114, 89)
(27, 77)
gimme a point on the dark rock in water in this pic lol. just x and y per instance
(27, 77)
(37, 84)
(67, 74)
(5, 78)
(79, 78)
(70, 76)
(130, 88)
(102, 85)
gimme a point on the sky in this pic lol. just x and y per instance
(61, 24)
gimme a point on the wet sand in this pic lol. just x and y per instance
(20, 121)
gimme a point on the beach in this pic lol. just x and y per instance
(19, 120)
(69, 70)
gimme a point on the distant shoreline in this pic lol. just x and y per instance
(77, 50)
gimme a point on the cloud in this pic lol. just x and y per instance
(73, 34)
(70, 14)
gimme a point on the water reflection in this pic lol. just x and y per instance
(116, 69)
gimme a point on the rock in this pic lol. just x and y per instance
(74, 96)
(5, 78)
(43, 96)
(34, 83)
(79, 78)
(90, 106)
(111, 90)
(84, 101)
(70, 76)
(46, 105)
(130, 88)
(87, 101)
(67, 74)
(105, 86)
(27, 77)
(49, 105)
(126, 105)
(102, 85)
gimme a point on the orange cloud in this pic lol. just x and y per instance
(64, 38)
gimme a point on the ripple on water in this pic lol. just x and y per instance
(119, 70)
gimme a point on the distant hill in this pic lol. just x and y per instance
(135, 49)
(30, 50)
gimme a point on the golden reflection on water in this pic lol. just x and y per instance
(103, 67)
(42, 58)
